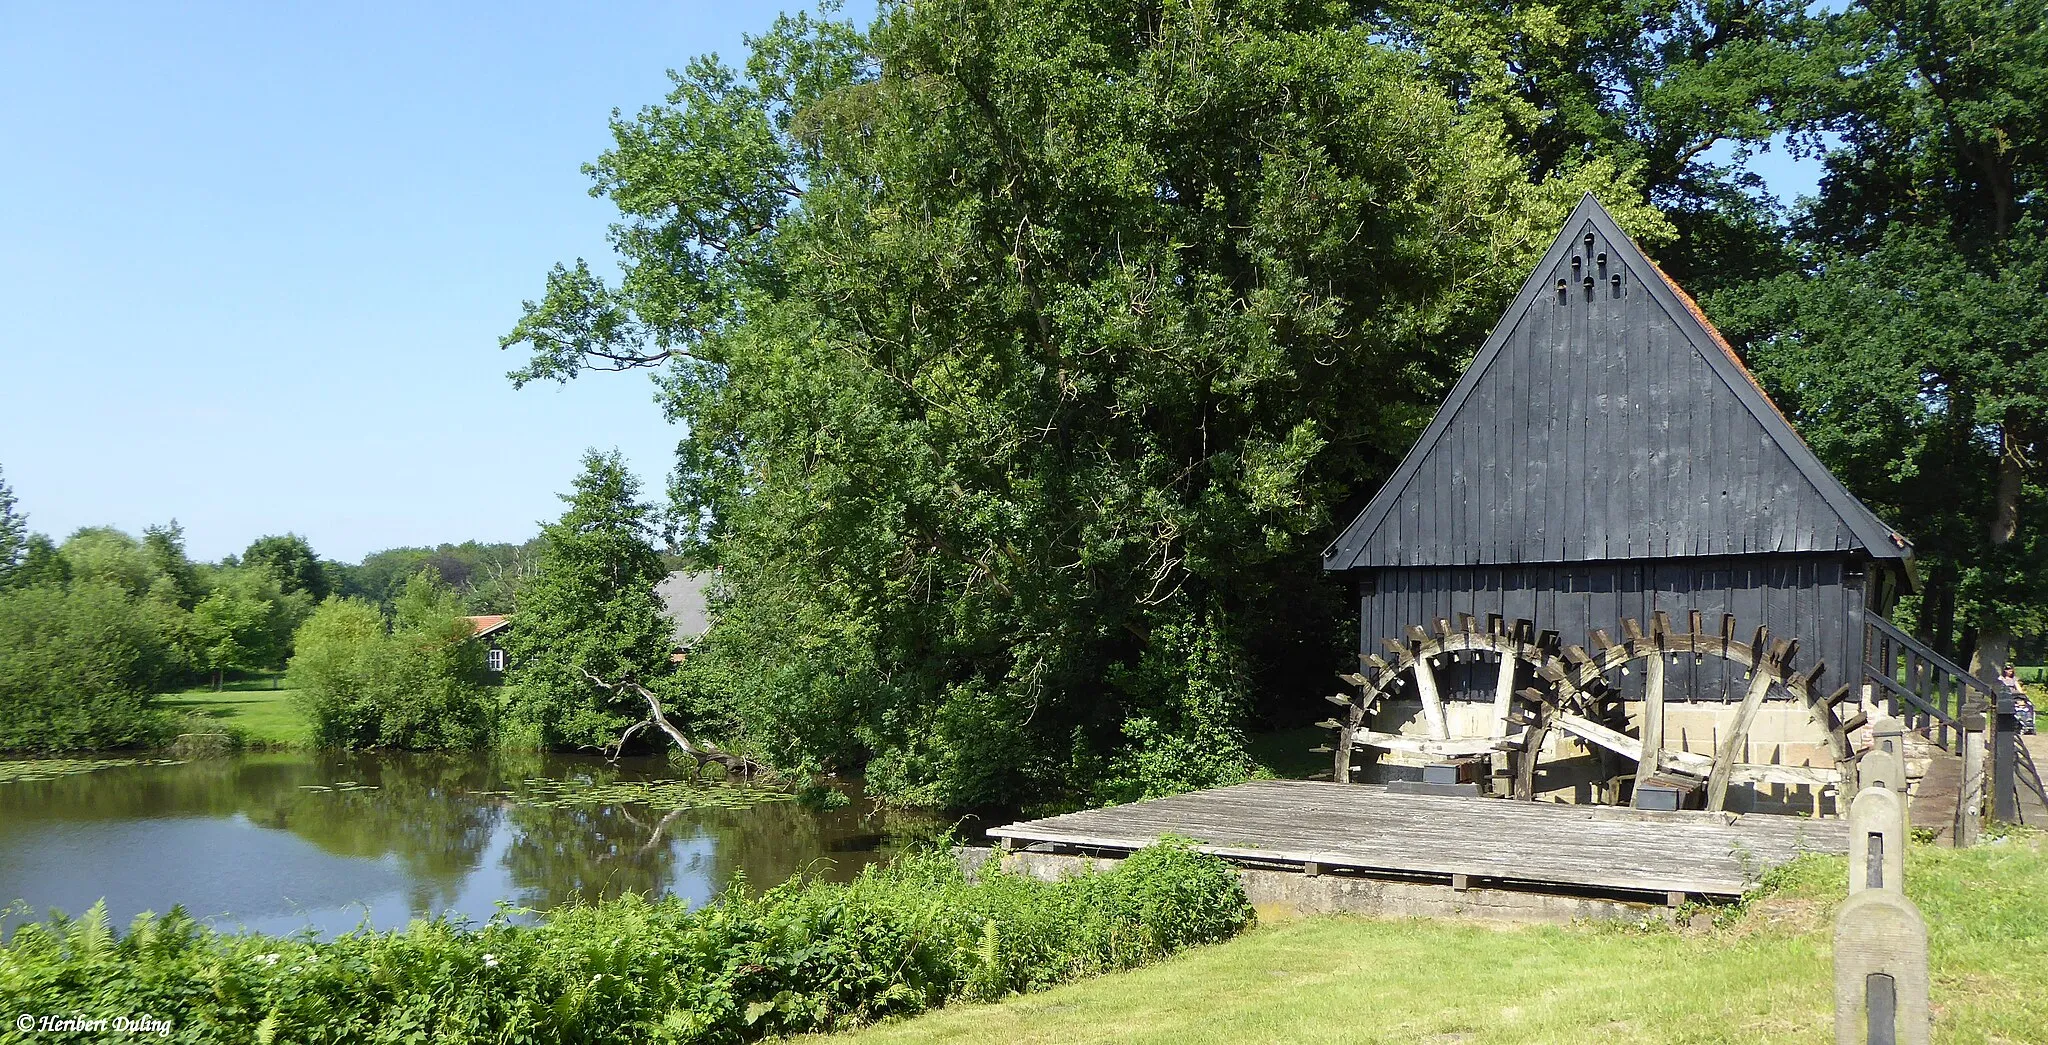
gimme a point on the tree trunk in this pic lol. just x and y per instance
(1994, 637)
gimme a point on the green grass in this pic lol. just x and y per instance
(1762, 975)
(251, 708)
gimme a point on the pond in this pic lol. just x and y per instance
(280, 843)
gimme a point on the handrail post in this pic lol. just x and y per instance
(1970, 796)
(2005, 739)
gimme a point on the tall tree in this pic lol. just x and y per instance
(1027, 353)
(177, 582)
(589, 610)
(13, 533)
(291, 559)
(41, 564)
(1910, 345)
(246, 622)
(105, 555)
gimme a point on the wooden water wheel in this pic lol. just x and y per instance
(1572, 689)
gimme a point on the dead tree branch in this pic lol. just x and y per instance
(705, 754)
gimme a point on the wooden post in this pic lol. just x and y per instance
(2005, 759)
(1503, 706)
(1532, 749)
(1432, 705)
(1341, 770)
(1970, 797)
(1653, 724)
(1877, 840)
(1737, 740)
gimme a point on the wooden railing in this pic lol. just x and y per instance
(1933, 695)
(1931, 692)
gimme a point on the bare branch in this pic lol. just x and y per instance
(703, 753)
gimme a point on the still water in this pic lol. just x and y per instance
(254, 842)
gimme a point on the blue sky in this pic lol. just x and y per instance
(255, 259)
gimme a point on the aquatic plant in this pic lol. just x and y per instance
(803, 957)
(661, 795)
(51, 768)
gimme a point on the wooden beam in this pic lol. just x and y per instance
(1627, 746)
(1593, 732)
(1457, 747)
(1797, 776)
(1652, 758)
(1525, 763)
(1737, 739)
(1503, 705)
(1432, 704)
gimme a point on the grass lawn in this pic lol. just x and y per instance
(262, 715)
(1762, 975)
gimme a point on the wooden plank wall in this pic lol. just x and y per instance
(1600, 433)
(1805, 597)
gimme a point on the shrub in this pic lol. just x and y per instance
(418, 683)
(78, 667)
(798, 958)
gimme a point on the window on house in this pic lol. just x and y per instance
(495, 659)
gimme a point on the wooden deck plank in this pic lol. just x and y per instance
(1369, 828)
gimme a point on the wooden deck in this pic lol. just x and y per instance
(1517, 844)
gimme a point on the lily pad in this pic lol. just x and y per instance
(661, 795)
(52, 768)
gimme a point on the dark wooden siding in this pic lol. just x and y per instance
(1599, 431)
(1815, 599)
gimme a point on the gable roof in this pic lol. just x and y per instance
(1605, 418)
(684, 603)
(489, 623)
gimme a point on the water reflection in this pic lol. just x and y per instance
(249, 841)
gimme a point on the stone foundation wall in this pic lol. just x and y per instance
(1298, 893)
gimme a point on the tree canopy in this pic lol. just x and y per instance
(291, 559)
(1906, 338)
(589, 608)
(1026, 355)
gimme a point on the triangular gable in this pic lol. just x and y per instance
(1606, 421)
